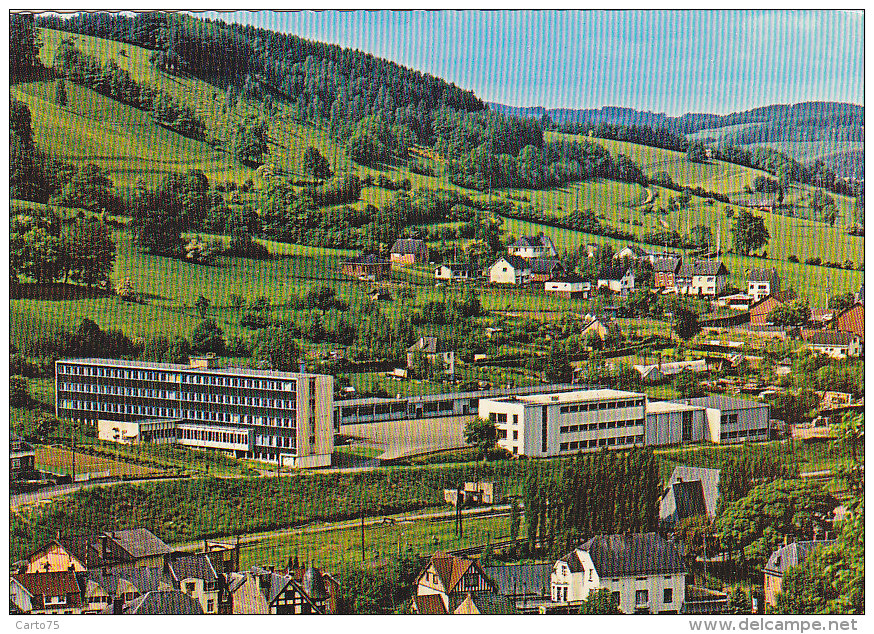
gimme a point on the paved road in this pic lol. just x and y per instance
(500, 509)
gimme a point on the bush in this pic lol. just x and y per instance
(792, 258)
(814, 261)
(243, 246)
(19, 391)
(254, 321)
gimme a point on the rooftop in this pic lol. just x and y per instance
(663, 407)
(715, 401)
(636, 554)
(179, 367)
(576, 396)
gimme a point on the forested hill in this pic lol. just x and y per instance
(328, 81)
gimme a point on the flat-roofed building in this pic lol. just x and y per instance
(552, 424)
(280, 417)
(731, 420)
(670, 423)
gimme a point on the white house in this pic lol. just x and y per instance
(618, 278)
(660, 371)
(762, 282)
(833, 343)
(570, 284)
(630, 251)
(561, 423)
(531, 247)
(701, 277)
(644, 573)
(432, 349)
(510, 269)
(455, 271)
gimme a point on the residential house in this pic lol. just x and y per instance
(658, 372)
(45, 593)
(485, 603)
(263, 591)
(571, 285)
(619, 278)
(103, 588)
(433, 350)
(833, 343)
(446, 583)
(114, 549)
(731, 420)
(761, 310)
(821, 317)
(22, 457)
(664, 272)
(408, 251)
(852, 320)
(781, 560)
(367, 267)
(701, 277)
(510, 269)
(531, 247)
(456, 272)
(599, 326)
(736, 301)
(196, 576)
(860, 296)
(526, 585)
(158, 602)
(644, 573)
(762, 282)
(690, 491)
(630, 252)
(543, 269)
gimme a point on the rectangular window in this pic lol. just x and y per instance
(669, 595)
(641, 597)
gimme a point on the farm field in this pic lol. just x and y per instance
(60, 460)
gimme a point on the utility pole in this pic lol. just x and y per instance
(73, 448)
(362, 533)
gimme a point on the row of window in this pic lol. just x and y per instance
(743, 433)
(214, 436)
(199, 397)
(197, 379)
(277, 441)
(569, 429)
(600, 442)
(592, 407)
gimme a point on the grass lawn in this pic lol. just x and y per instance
(332, 549)
(59, 460)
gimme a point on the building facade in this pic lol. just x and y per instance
(563, 423)
(674, 423)
(731, 420)
(510, 269)
(530, 247)
(279, 417)
(762, 282)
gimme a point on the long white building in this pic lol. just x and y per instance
(539, 425)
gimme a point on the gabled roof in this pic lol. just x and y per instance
(450, 569)
(430, 604)
(404, 246)
(573, 562)
(709, 483)
(534, 241)
(852, 320)
(702, 267)
(195, 566)
(545, 265)
(689, 499)
(631, 555)
(613, 271)
(52, 584)
(517, 262)
(792, 554)
(168, 602)
(763, 275)
(519, 579)
(636, 250)
(483, 603)
(828, 337)
(569, 278)
(144, 579)
(428, 345)
(139, 542)
(666, 265)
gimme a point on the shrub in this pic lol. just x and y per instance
(792, 258)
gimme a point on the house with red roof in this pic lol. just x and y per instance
(46, 593)
(457, 585)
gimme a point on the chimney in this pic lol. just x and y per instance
(117, 605)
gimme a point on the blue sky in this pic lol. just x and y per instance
(664, 61)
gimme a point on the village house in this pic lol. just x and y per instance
(664, 272)
(264, 591)
(599, 326)
(433, 350)
(456, 272)
(158, 603)
(526, 585)
(690, 491)
(701, 277)
(852, 320)
(570, 285)
(781, 560)
(619, 278)
(736, 301)
(113, 549)
(644, 573)
(510, 269)
(45, 593)
(367, 267)
(448, 582)
(833, 343)
(762, 282)
(532, 247)
(630, 252)
(22, 459)
(658, 372)
(408, 251)
(760, 312)
(543, 269)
